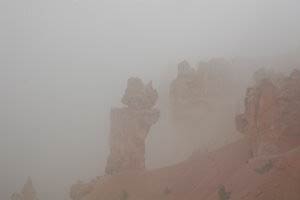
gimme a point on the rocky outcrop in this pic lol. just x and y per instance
(186, 88)
(130, 126)
(203, 102)
(210, 83)
(27, 193)
(272, 113)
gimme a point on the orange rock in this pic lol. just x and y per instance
(272, 114)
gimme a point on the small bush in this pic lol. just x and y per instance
(167, 191)
(124, 195)
(265, 168)
(223, 194)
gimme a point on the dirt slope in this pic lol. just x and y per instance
(229, 173)
(182, 181)
(273, 177)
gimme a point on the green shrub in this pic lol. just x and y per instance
(167, 191)
(223, 194)
(265, 168)
(124, 195)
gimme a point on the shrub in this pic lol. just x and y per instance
(124, 195)
(265, 168)
(167, 191)
(223, 194)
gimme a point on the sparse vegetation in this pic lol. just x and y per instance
(167, 191)
(223, 194)
(124, 195)
(265, 168)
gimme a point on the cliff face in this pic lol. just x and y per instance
(272, 114)
(130, 126)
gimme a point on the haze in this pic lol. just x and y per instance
(65, 63)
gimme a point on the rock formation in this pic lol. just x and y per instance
(202, 97)
(272, 113)
(211, 82)
(186, 88)
(130, 126)
(27, 193)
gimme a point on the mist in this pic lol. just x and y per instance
(65, 63)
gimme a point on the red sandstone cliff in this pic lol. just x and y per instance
(272, 114)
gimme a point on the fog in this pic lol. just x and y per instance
(65, 63)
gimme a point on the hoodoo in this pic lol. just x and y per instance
(130, 126)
